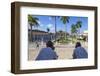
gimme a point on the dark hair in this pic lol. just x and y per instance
(78, 44)
(50, 44)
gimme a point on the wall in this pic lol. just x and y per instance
(5, 35)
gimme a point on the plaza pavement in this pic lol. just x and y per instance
(64, 51)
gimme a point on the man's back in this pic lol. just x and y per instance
(46, 54)
(80, 52)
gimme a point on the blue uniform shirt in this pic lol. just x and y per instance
(80, 52)
(47, 54)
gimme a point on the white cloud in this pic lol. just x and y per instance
(50, 25)
(41, 25)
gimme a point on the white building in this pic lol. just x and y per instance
(85, 33)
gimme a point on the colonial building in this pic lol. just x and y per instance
(38, 35)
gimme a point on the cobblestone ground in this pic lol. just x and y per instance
(63, 51)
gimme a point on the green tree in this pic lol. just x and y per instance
(79, 25)
(61, 33)
(48, 30)
(73, 30)
(65, 20)
(32, 21)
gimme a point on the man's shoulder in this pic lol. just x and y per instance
(78, 49)
(46, 49)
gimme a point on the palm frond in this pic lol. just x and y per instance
(33, 21)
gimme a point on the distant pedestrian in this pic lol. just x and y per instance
(47, 53)
(79, 52)
(37, 45)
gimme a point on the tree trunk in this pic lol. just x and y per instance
(79, 33)
(65, 32)
(55, 27)
(31, 34)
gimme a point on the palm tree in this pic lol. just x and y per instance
(61, 33)
(32, 21)
(48, 30)
(73, 30)
(65, 20)
(79, 25)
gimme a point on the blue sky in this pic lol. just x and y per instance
(48, 22)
